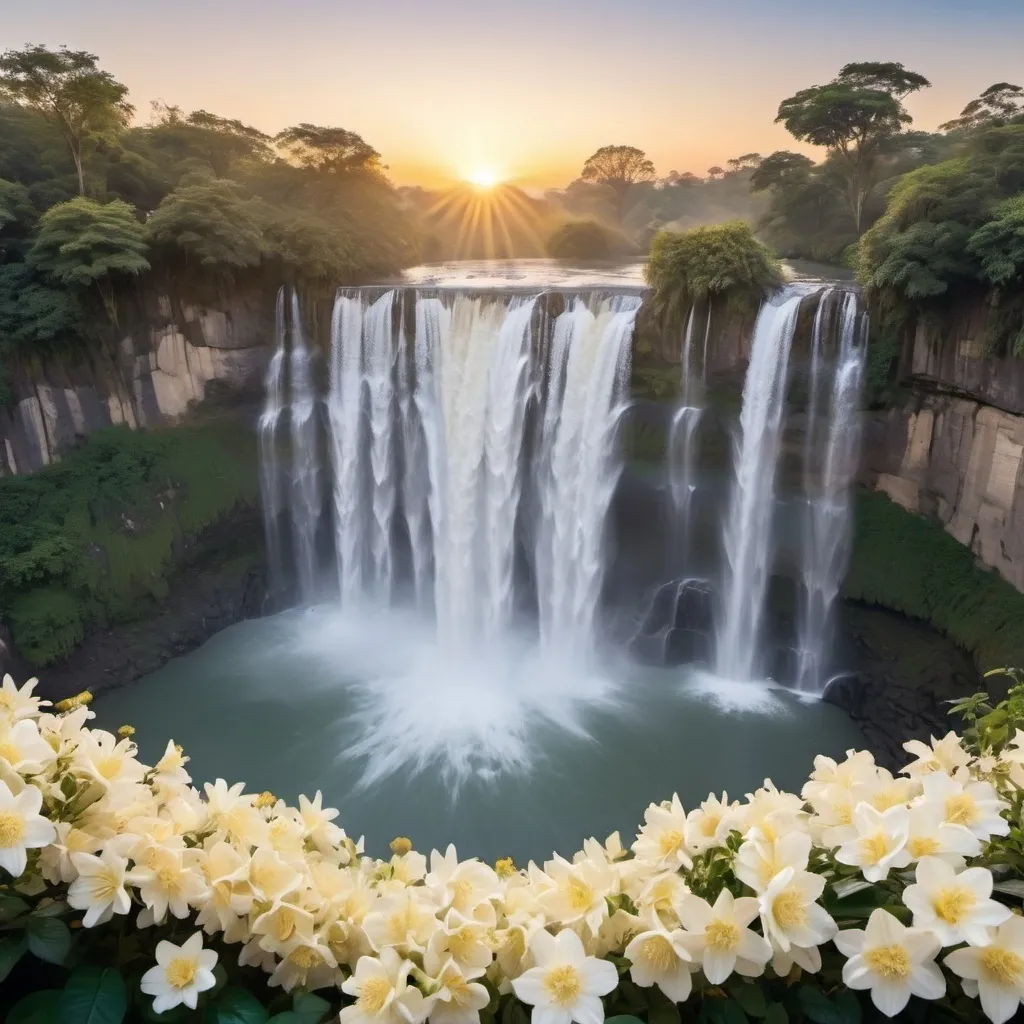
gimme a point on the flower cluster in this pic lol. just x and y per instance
(883, 873)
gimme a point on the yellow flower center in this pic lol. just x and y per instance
(169, 879)
(457, 986)
(461, 942)
(513, 943)
(104, 885)
(400, 845)
(305, 958)
(579, 894)
(890, 962)
(10, 753)
(462, 891)
(563, 984)
(953, 905)
(843, 814)
(658, 952)
(788, 909)
(373, 994)
(709, 826)
(1002, 966)
(874, 848)
(12, 829)
(961, 809)
(723, 936)
(284, 924)
(6, 699)
(180, 972)
(77, 841)
(506, 867)
(669, 842)
(922, 846)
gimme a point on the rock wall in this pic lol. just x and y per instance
(177, 357)
(958, 460)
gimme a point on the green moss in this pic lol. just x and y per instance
(912, 565)
(97, 537)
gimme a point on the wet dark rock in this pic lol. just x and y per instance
(694, 606)
(687, 647)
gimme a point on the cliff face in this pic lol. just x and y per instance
(180, 355)
(952, 446)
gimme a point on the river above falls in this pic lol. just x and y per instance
(502, 751)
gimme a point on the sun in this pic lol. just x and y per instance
(484, 178)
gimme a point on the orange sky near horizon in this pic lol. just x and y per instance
(528, 89)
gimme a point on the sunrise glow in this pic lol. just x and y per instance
(484, 178)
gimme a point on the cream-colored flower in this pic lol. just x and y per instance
(931, 835)
(464, 940)
(181, 973)
(462, 885)
(24, 750)
(269, 877)
(22, 827)
(170, 769)
(55, 862)
(878, 841)
(458, 999)
(317, 822)
(710, 824)
(106, 759)
(954, 907)
(790, 915)
(99, 889)
(719, 936)
(404, 920)
(662, 892)
(16, 704)
(565, 985)
(661, 957)
(892, 961)
(759, 859)
(170, 881)
(945, 755)
(994, 971)
(224, 870)
(975, 805)
(772, 812)
(308, 962)
(383, 993)
(576, 892)
(233, 812)
(662, 838)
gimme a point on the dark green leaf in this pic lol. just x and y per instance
(819, 1007)
(12, 949)
(37, 1008)
(11, 907)
(624, 1018)
(236, 1006)
(750, 997)
(776, 1014)
(48, 938)
(725, 1011)
(93, 995)
(1012, 887)
(220, 976)
(313, 1007)
(663, 1012)
(849, 1007)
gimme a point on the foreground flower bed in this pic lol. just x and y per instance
(128, 894)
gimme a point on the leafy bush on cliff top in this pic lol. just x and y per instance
(912, 565)
(723, 262)
(92, 538)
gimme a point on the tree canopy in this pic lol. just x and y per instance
(999, 104)
(618, 168)
(329, 150)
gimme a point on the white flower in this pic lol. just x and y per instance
(790, 915)
(107, 759)
(996, 970)
(306, 962)
(464, 940)
(566, 985)
(662, 839)
(462, 885)
(932, 836)
(709, 825)
(22, 827)
(576, 892)
(24, 749)
(170, 769)
(99, 888)
(893, 961)
(459, 999)
(181, 973)
(945, 755)
(317, 822)
(975, 805)
(759, 859)
(383, 993)
(167, 882)
(17, 704)
(877, 842)
(404, 920)
(661, 957)
(719, 936)
(954, 907)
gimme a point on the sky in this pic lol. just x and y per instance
(526, 90)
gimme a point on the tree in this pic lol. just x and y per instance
(781, 168)
(329, 150)
(716, 173)
(746, 162)
(997, 105)
(83, 244)
(580, 240)
(68, 89)
(619, 168)
(856, 118)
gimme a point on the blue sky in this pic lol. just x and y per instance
(528, 88)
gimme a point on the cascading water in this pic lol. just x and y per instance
(681, 438)
(827, 536)
(270, 472)
(748, 526)
(428, 429)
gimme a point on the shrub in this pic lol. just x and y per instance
(580, 240)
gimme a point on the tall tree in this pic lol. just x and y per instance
(329, 150)
(619, 168)
(856, 117)
(997, 105)
(68, 88)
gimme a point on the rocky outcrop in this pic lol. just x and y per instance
(960, 461)
(180, 356)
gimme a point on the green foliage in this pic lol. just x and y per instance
(998, 104)
(580, 240)
(618, 168)
(721, 263)
(92, 539)
(912, 565)
(329, 150)
(999, 244)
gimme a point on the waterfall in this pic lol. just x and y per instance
(681, 437)
(429, 430)
(306, 502)
(827, 535)
(748, 524)
(270, 469)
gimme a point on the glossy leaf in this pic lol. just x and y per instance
(49, 938)
(93, 995)
(37, 1008)
(236, 1006)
